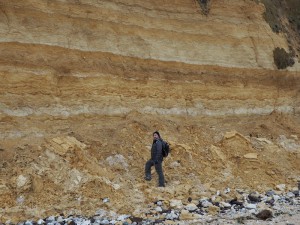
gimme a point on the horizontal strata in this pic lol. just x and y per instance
(60, 110)
(85, 81)
(36, 82)
(162, 31)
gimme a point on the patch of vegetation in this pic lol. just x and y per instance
(205, 6)
(293, 7)
(278, 11)
(271, 14)
(282, 59)
(275, 9)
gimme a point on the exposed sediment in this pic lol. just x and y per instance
(83, 84)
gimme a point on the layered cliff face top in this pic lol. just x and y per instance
(83, 84)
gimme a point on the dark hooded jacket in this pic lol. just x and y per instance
(156, 151)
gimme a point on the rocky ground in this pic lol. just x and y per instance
(254, 208)
(75, 175)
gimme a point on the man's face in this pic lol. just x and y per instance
(155, 136)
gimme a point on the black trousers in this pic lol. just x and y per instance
(159, 171)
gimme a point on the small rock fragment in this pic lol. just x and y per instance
(264, 214)
(191, 207)
(158, 209)
(280, 187)
(225, 205)
(254, 197)
(251, 156)
(250, 206)
(176, 204)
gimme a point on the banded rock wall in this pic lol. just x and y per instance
(100, 76)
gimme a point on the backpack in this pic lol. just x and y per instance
(165, 148)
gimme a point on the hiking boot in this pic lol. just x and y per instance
(147, 178)
(161, 185)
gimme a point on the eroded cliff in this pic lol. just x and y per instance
(85, 83)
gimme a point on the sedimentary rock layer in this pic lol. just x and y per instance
(233, 35)
(83, 84)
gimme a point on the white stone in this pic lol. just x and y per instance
(206, 203)
(225, 205)
(280, 187)
(191, 207)
(123, 217)
(171, 216)
(158, 209)
(105, 200)
(60, 219)
(51, 218)
(276, 197)
(21, 181)
(174, 203)
(250, 206)
(227, 190)
(40, 221)
(290, 195)
(159, 203)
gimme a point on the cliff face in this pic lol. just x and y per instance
(233, 35)
(83, 84)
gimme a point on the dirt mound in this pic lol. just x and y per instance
(72, 174)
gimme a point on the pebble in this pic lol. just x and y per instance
(280, 187)
(158, 209)
(159, 203)
(105, 200)
(276, 197)
(246, 207)
(250, 206)
(270, 193)
(123, 217)
(225, 205)
(227, 190)
(290, 195)
(172, 215)
(206, 204)
(60, 219)
(40, 221)
(191, 207)
(254, 197)
(104, 222)
(50, 219)
(174, 203)
(264, 214)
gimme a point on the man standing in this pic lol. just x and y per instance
(156, 160)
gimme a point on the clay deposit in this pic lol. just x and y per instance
(83, 84)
